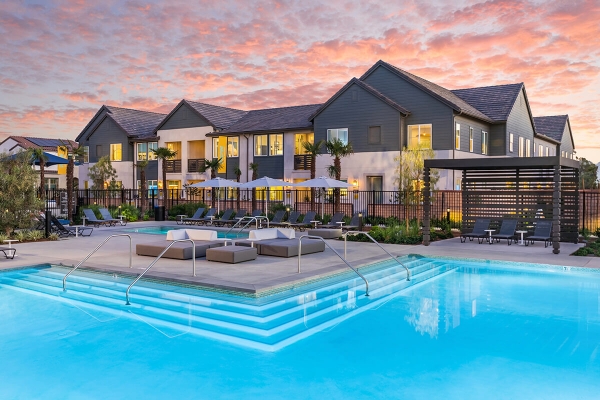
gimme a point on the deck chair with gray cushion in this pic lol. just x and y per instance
(507, 231)
(292, 219)
(239, 214)
(543, 231)
(354, 223)
(309, 216)
(90, 217)
(256, 213)
(337, 217)
(194, 218)
(208, 217)
(225, 218)
(65, 231)
(481, 224)
(108, 218)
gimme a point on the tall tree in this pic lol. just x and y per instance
(313, 150)
(338, 150)
(73, 153)
(39, 155)
(213, 164)
(238, 174)
(164, 154)
(254, 168)
(588, 174)
(102, 172)
(143, 190)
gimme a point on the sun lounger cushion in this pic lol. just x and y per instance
(194, 234)
(272, 233)
(326, 233)
(179, 250)
(288, 247)
(231, 254)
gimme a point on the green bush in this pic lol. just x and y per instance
(185, 208)
(589, 249)
(130, 213)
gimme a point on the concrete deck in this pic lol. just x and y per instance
(265, 273)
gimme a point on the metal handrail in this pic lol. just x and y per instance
(250, 220)
(93, 251)
(158, 258)
(338, 254)
(345, 235)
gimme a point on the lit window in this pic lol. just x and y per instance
(276, 145)
(511, 141)
(142, 151)
(215, 151)
(115, 152)
(527, 148)
(521, 147)
(340, 134)
(484, 142)
(301, 138)
(471, 140)
(547, 151)
(86, 154)
(151, 154)
(457, 137)
(232, 146)
(419, 135)
(540, 151)
(261, 145)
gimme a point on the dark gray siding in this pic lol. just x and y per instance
(566, 143)
(519, 123)
(424, 109)
(478, 127)
(498, 140)
(357, 110)
(184, 117)
(151, 171)
(271, 166)
(232, 164)
(106, 134)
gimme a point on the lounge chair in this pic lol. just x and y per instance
(64, 231)
(543, 231)
(203, 239)
(337, 217)
(354, 223)
(280, 242)
(108, 218)
(239, 214)
(195, 218)
(481, 224)
(277, 218)
(208, 217)
(225, 218)
(9, 250)
(91, 218)
(507, 231)
(292, 219)
(256, 213)
(306, 221)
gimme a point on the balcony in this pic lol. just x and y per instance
(302, 162)
(173, 166)
(196, 165)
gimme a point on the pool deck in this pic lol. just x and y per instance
(265, 274)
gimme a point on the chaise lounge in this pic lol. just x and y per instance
(280, 242)
(479, 231)
(195, 218)
(543, 231)
(507, 231)
(203, 239)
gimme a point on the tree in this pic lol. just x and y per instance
(338, 150)
(254, 168)
(143, 191)
(313, 150)
(164, 154)
(39, 155)
(72, 153)
(588, 174)
(238, 174)
(19, 199)
(214, 165)
(102, 172)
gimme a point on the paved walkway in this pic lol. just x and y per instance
(265, 273)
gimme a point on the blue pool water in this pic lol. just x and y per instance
(460, 330)
(162, 230)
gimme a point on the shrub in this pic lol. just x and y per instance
(185, 208)
(34, 235)
(129, 212)
(21, 235)
(53, 237)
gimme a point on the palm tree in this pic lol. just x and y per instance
(254, 168)
(164, 154)
(313, 150)
(38, 154)
(337, 149)
(72, 153)
(214, 165)
(143, 191)
(238, 174)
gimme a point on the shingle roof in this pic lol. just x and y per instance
(494, 101)
(138, 124)
(369, 89)
(46, 144)
(551, 126)
(443, 94)
(219, 117)
(275, 119)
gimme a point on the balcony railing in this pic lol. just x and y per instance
(173, 166)
(196, 165)
(302, 162)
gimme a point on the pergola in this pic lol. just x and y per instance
(525, 188)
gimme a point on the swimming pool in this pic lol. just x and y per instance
(162, 230)
(464, 329)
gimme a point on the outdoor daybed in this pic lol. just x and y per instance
(203, 239)
(280, 242)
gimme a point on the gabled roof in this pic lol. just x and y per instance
(275, 119)
(217, 116)
(442, 94)
(367, 88)
(551, 126)
(494, 101)
(135, 123)
(47, 144)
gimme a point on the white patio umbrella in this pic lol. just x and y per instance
(265, 181)
(216, 183)
(324, 183)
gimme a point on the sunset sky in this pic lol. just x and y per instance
(61, 60)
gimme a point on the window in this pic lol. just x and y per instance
(151, 154)
(562, 153)
(232, 146)
(176, 147)
(511, 141)
(547, 151)
(115, 152)
(527, 148)
(276, 145)
(484, 142)
(374, 135)
(301, 138)
(51, 183)
(457, 137)
(521, 147)
(540, 151)
(471, 140)
(142, 151)
(340, 134)
(86, 154)
(419, 135)
(98, 151)
(260, 145)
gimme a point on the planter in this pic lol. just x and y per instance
(592, 239)
(455, 233)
